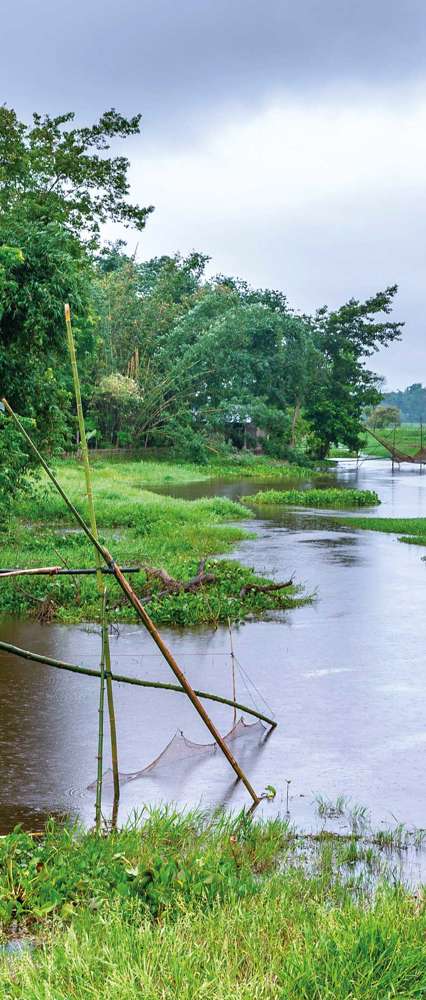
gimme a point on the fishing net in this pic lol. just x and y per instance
(180, 748)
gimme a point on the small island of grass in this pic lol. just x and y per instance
(333, 497)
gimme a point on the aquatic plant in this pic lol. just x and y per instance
(334, 497)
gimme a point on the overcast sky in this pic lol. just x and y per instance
(285, 139)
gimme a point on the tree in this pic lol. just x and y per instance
(57, 186)
(410, 401)
(384, 416)
(52, 172)
(342, 386)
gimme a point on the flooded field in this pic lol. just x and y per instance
(345, 677)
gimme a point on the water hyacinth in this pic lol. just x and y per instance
(334, 497)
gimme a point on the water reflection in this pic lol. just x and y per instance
(345, 677)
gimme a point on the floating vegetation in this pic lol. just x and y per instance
(333, 497)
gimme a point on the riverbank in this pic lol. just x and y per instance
(142, 528)
(185, 906)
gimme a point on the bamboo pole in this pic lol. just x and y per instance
(27, 654)
(60, 571)
(94, 528)
(233, 669)
(142, 613)
(99, 775)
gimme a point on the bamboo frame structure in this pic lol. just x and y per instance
(140, 610)
(49, 661)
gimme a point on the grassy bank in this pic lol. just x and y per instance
(315, 498)
(410, 529)
(185, 907)
(140, 528)
(158, 472)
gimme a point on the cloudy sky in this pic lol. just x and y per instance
(286, 138)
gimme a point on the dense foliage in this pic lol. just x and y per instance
(167, 356)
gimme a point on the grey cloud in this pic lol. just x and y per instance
(188, 64)
(180, 61)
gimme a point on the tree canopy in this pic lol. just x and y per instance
(168, 356)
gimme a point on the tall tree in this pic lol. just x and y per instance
(342, 385)
(57, 186)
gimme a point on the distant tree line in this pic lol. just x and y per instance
(167, 356)
(411, 403)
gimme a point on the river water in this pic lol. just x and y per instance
(345, 677)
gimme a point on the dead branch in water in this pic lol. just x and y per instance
(173, 586)
(265, 588)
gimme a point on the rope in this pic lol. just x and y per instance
(245, 677)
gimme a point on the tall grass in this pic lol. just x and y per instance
(226, 908)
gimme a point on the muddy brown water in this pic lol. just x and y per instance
(345, 677)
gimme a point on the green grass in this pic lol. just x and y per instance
(223, 909)
(140, 528)
(410, 529)
(159, 472)
(316, 498)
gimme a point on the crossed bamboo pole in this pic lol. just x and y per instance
(50, 661)
(140, 610)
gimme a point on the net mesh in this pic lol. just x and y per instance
(180, 748)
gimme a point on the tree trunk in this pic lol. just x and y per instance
(296, 414)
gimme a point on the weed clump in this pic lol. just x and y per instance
(336, 497)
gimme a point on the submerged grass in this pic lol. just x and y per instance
(185, 906)
(140, 528)
(410, 529)
(337, 497)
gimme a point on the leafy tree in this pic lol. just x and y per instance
(50, 171)
(384, 416)
(57, 186)
(342, 386)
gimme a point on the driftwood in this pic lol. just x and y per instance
(265, 588)
(173, 586)
(201, 578)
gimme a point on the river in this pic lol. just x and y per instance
(345, 677)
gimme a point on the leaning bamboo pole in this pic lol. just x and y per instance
(49, 661)
(140, 610)
(94, 528)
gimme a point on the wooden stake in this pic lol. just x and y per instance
(233, 669)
